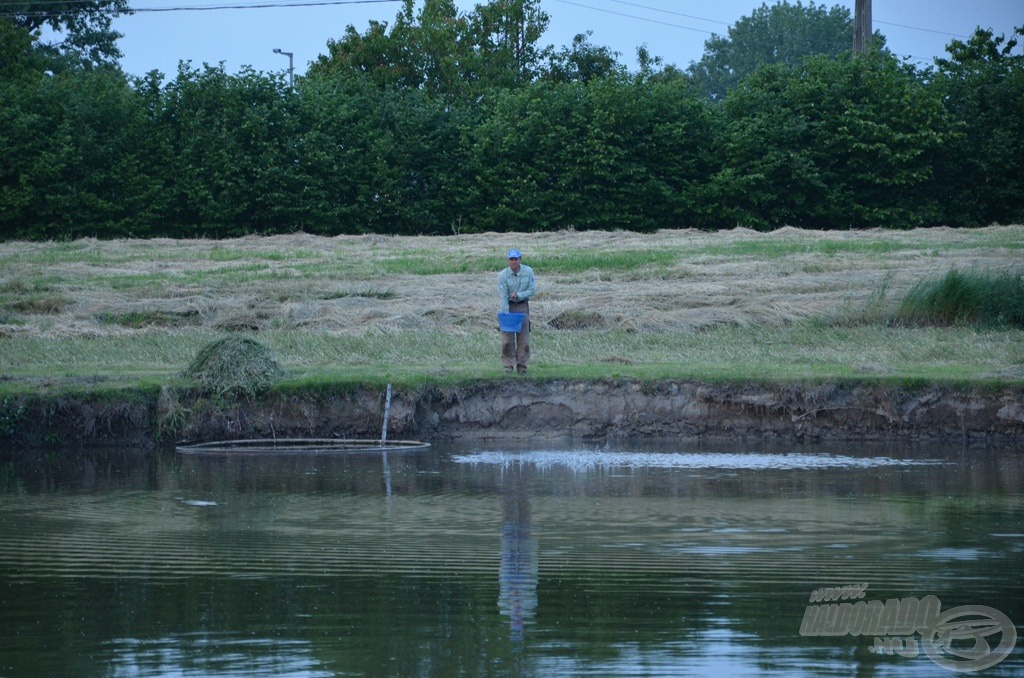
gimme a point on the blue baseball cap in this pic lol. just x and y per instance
(514, 254)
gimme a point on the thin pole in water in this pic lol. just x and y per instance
(383, 442)
(387, 415)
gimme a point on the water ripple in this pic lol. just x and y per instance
(587, 460)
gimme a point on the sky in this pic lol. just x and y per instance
(245, 32)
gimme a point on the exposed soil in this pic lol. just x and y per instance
(524, 408)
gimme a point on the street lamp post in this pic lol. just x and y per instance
(291, 67)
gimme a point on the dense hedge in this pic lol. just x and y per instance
(834, 143)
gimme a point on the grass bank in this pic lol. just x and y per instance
(731, 306)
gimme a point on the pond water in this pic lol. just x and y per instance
(638, 560)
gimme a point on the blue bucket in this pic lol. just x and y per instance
(511, 322)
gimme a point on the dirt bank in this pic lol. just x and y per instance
(528, 409)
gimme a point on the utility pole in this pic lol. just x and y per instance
(291, 67)
(862, 26)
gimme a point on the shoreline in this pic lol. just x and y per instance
(523, 409)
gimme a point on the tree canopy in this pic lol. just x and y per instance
(449, 122)
(81, 30)
(982, 85)
(777, 34)
(833, 143)
(442, 50)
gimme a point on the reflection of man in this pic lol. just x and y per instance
(517, 597)
(516, 284)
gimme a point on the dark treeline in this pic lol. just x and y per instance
(411, 129)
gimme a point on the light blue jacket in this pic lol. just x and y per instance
(523, 283)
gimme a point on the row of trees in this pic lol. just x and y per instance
(448, 122)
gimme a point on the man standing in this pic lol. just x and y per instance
(516, 284)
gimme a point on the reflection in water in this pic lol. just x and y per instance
(657, 560)
(205, 654)
(386, 472)
(518, 573)
(587, 461)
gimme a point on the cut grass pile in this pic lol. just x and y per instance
(233, 366)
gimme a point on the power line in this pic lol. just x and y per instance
(724, 23)
(320, 3)
(263, 5)
(633, 16)
(49, 2)
(918, 28)
(200, 8)
(668, 11)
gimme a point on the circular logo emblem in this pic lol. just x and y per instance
(960, 638)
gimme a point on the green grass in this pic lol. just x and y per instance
(978, 297)
(107, 315)
(427, 263)
(42, 304)
(613, 261)
(232, 254)
(382, 295)
(93, 253)
(786, 248)
(148, 319)
(802, 352)
(884, 245)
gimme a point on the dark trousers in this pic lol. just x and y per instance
(515, 346)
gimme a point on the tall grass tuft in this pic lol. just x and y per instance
(977, 297)
(234, 366)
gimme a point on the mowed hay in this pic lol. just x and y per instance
(234, 366)
(576, 320)
(605, 281)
